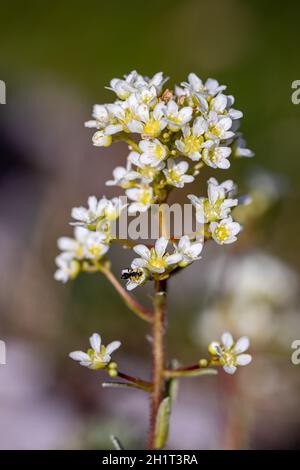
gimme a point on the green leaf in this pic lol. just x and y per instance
(116, 443)
(162, 423)
(120, 385)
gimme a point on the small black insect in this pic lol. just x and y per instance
(130, 273)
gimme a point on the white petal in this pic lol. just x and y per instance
(243, 359)
(173, 259)
(182, 167)
(219, 103)
(61, 276)
(111, 347)
(199, 126)
(242, 345)
(143, 251)
(133, 193)
(213, 193)
(195, 250)
(113, 129)
(79, 356)
(229, 369)
(79, 213)
(160, 246)
(184, 243)
(139, 263)
(172, 107)
(227, 340)
(95, 342)
(235, 228)
(81, 234)
(67, 244)
(131, 285)
(224, 164)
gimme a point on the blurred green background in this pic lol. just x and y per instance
(56, 57)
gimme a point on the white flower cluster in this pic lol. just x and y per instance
(214, 211)
(92, 235)
(171, 135)
(195, 121)
(157, 261)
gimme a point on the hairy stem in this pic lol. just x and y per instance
(131, 303)
(158, 356)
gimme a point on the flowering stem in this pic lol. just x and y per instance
(191, 371)
(131, 303)
(158, 353)
(139, 383)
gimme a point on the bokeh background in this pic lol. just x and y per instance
(56, 57)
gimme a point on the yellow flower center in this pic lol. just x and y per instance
(212, 212)
(157, 262)
(98, 358)
(192, 144)
(152, 128)
(147, 172)
(159, 152)
(174, 118)
(145, 197)
(228, 358)
(79, 253)
(96, 251)
(175, 175)
(222, 232)
(215, 130)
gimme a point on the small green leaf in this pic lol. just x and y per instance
(172, 389)
(120, 385)
(116, 443)
(162, 423)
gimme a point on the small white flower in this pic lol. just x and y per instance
(147, 96)
(191, 142)
(225, 231)
(99, 356)
(95, 246)
(215, 156)
(135, 277)
(189, 251)
(135, 82)
(210, 88)
(146, 172)
(122, 176)
(124, 88)
(101, 115)
(91, 214)
(155, 260)
(218, 126)
(101, 140)
(148, 122)
(219, 191)
(177, 117)
(157, 81)
(217, 206)
(153, 152)
(230, 354)
(113, 208)
(124, 113)
(142, 197)
(74, 246)
(176, 173)
(68, 267)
